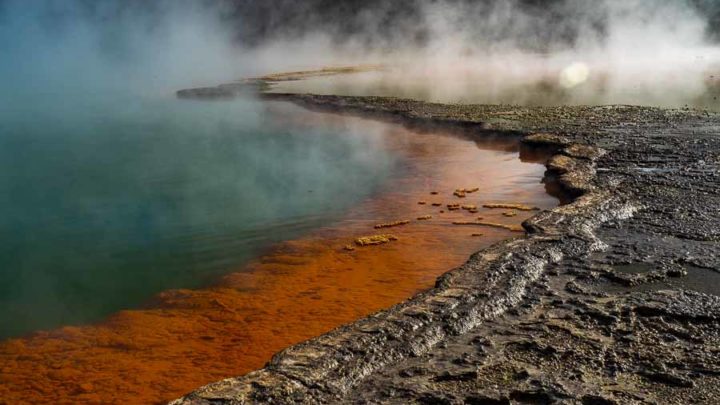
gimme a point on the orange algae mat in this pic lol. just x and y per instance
(299, 289)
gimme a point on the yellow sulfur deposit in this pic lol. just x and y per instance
(374, 240)
(510, 213)
(469, 207)
(391, 224)
(514, 228)
(349, 247)
(424, 217)
(465, 223)
(460, 192)
(519, 207)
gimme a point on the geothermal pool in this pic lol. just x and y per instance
(107, 201)
(174, 243)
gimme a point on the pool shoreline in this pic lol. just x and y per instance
(209, 322)
(561, 266)
(462, 298)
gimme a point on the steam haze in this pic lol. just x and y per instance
(636, 51)
(660, 53)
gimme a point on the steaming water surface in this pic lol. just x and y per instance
(107, 200)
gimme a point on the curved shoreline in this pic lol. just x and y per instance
(480, 290)
(505, 277)
(298, 289)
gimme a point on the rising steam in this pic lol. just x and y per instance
(526, 52)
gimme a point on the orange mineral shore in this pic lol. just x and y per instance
(297, 290)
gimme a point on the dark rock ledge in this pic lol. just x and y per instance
(611, 298)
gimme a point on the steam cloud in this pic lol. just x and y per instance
(636, 51)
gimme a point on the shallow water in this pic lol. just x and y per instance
(106, 202)
(706, 281)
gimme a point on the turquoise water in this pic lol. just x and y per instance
(107, 199)
(112, 190)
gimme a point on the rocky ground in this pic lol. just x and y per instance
(611, 298)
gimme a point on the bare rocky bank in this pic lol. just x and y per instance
(611, 298)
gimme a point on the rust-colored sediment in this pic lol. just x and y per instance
(300, 289)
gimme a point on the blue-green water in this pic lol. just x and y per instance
(112, 190)
(106, 200)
